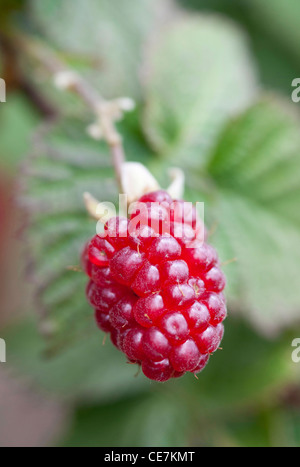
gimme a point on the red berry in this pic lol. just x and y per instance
(209, 340)
(85, 261)
(160, 300)
(103, 321)
(133, 344)
(186, 356)
(148, 310)
(159, 371)
(121, 314)
(184, 213)
(147, 280)
(164, 248)
(103, 298)
(101, 276)
(174, 272)
(155, 344)
(116, 230)
(198, 285)
(202, 364)
(178, 296)
(214, 280)
(159, 196)
(140, 238)
(197, 316)
(200, 258)
(175, 327)
(184, 233)
(114, 337)
(216, 306)
(100, 251)
(121, 334)
(153, 215)
(125, 265)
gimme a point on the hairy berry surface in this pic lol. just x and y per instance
(156, 287)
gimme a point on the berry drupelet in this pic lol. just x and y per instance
(156, 287)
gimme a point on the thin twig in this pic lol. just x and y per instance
(106, 112)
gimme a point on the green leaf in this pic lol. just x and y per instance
(16, 118)
(255, 169)
(280, 20)
(94, 34)
(276, 64)
(88, 370)
(9, 7)
(199, 73)
(141, 422)
(65, 164)
(248, 370)
(269, 427)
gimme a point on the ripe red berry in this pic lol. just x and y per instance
(159, 196)
(147, 280)
(202, 364)
(175, 327)
(103, 298)
(155, 344)
(133, 344)
(214, 280)
(174, 272)
(125, 265)
(148, 310)
(200, 258)
(159, 371)
(178, 295)
(216, 306)
(121, 314)
(156, 287)
(164, 249)
(186, 356)
(103, 321)
(209, 340)
(99, 251)
(197, 316)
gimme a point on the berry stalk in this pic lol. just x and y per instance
(106, 112)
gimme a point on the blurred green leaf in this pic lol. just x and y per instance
(7, 8)
(277, 66)
(144, 422)
(280, 20)
(17, 123)
(233, 8)
(66, 163)
(98, 34)
(255, 169)
(267, 427)
(249, 369)
(207, 76)
(86, 371)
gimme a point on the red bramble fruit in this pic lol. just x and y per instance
(156, 287)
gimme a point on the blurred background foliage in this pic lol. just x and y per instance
(212, 84)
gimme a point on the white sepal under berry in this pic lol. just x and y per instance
(136, 181)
